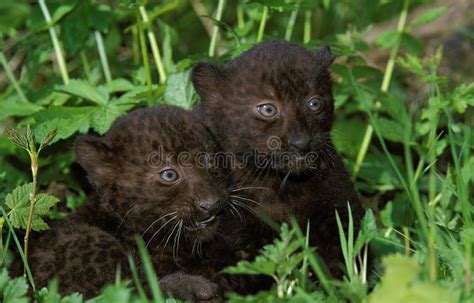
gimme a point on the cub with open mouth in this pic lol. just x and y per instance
(150, 178)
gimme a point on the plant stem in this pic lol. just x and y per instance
(11, 77)
(406, 233)
(34, 173)
(136, 45)
(54, 38)
(263, 22)
(240, 16)
(154, 45)
(384, 88)
(215, 29)
(103, 56)
(416, 203)
(86, 65)
(291, 23)
(145, 57)
(20, 250)
(308, 14)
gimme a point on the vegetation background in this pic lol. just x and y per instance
(404, 103)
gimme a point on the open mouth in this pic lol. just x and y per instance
(206, 222)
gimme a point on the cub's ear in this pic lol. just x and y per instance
(325, 56)
(96, 157)
(207, 78)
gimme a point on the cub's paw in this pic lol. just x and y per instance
(184, 286)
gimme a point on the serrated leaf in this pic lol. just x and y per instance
(38, 224)
(83, 89)
(429, 16)
(180, 91)
(413, 64)
(19, 203)
(11, 107)
(19, 197)
(48, 138)
(44, 202)
(119, 85)
(387, 39)
(260, 266)
(103, 117)
(67, 120)
(17, 136)
(389, 129)
(399, 284)
(12, 290)
(278, 259)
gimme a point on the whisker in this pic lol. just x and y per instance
(162, 217)
(283, 182)
(156, 233)
(125, 216)
(247, 187)
(176, 241)
(169, 237)
(244, 199)
(200, 248)
(238, 212)
(244, 206)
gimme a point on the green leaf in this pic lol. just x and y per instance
(399, 284)
(116, 294)
(67, 120)
(277, 260)
(83, 89)
(75, 28)
(387, 39)
(367, 232)
(43, 203)
(13, 107)
(429, 16)
(18, 136)
(395, 107)
(19, 203)
(101, 17)
(412, 64)
(180, 91)
(119, 85)
(20, 197)
(389, 129)
(104, 116)
(259, 266)
(12, 290)
(48, 138)
(412, 44)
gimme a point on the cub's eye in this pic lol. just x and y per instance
(169, 175)
(267, 110)
(316, 104)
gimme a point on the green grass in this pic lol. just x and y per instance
(75, 66)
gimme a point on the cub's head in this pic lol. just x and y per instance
(151, 173)
(274, 99)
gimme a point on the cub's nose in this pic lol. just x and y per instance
(208, 206)
(300, 142)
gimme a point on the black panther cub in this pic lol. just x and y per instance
(149, 180)
(272, 107)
